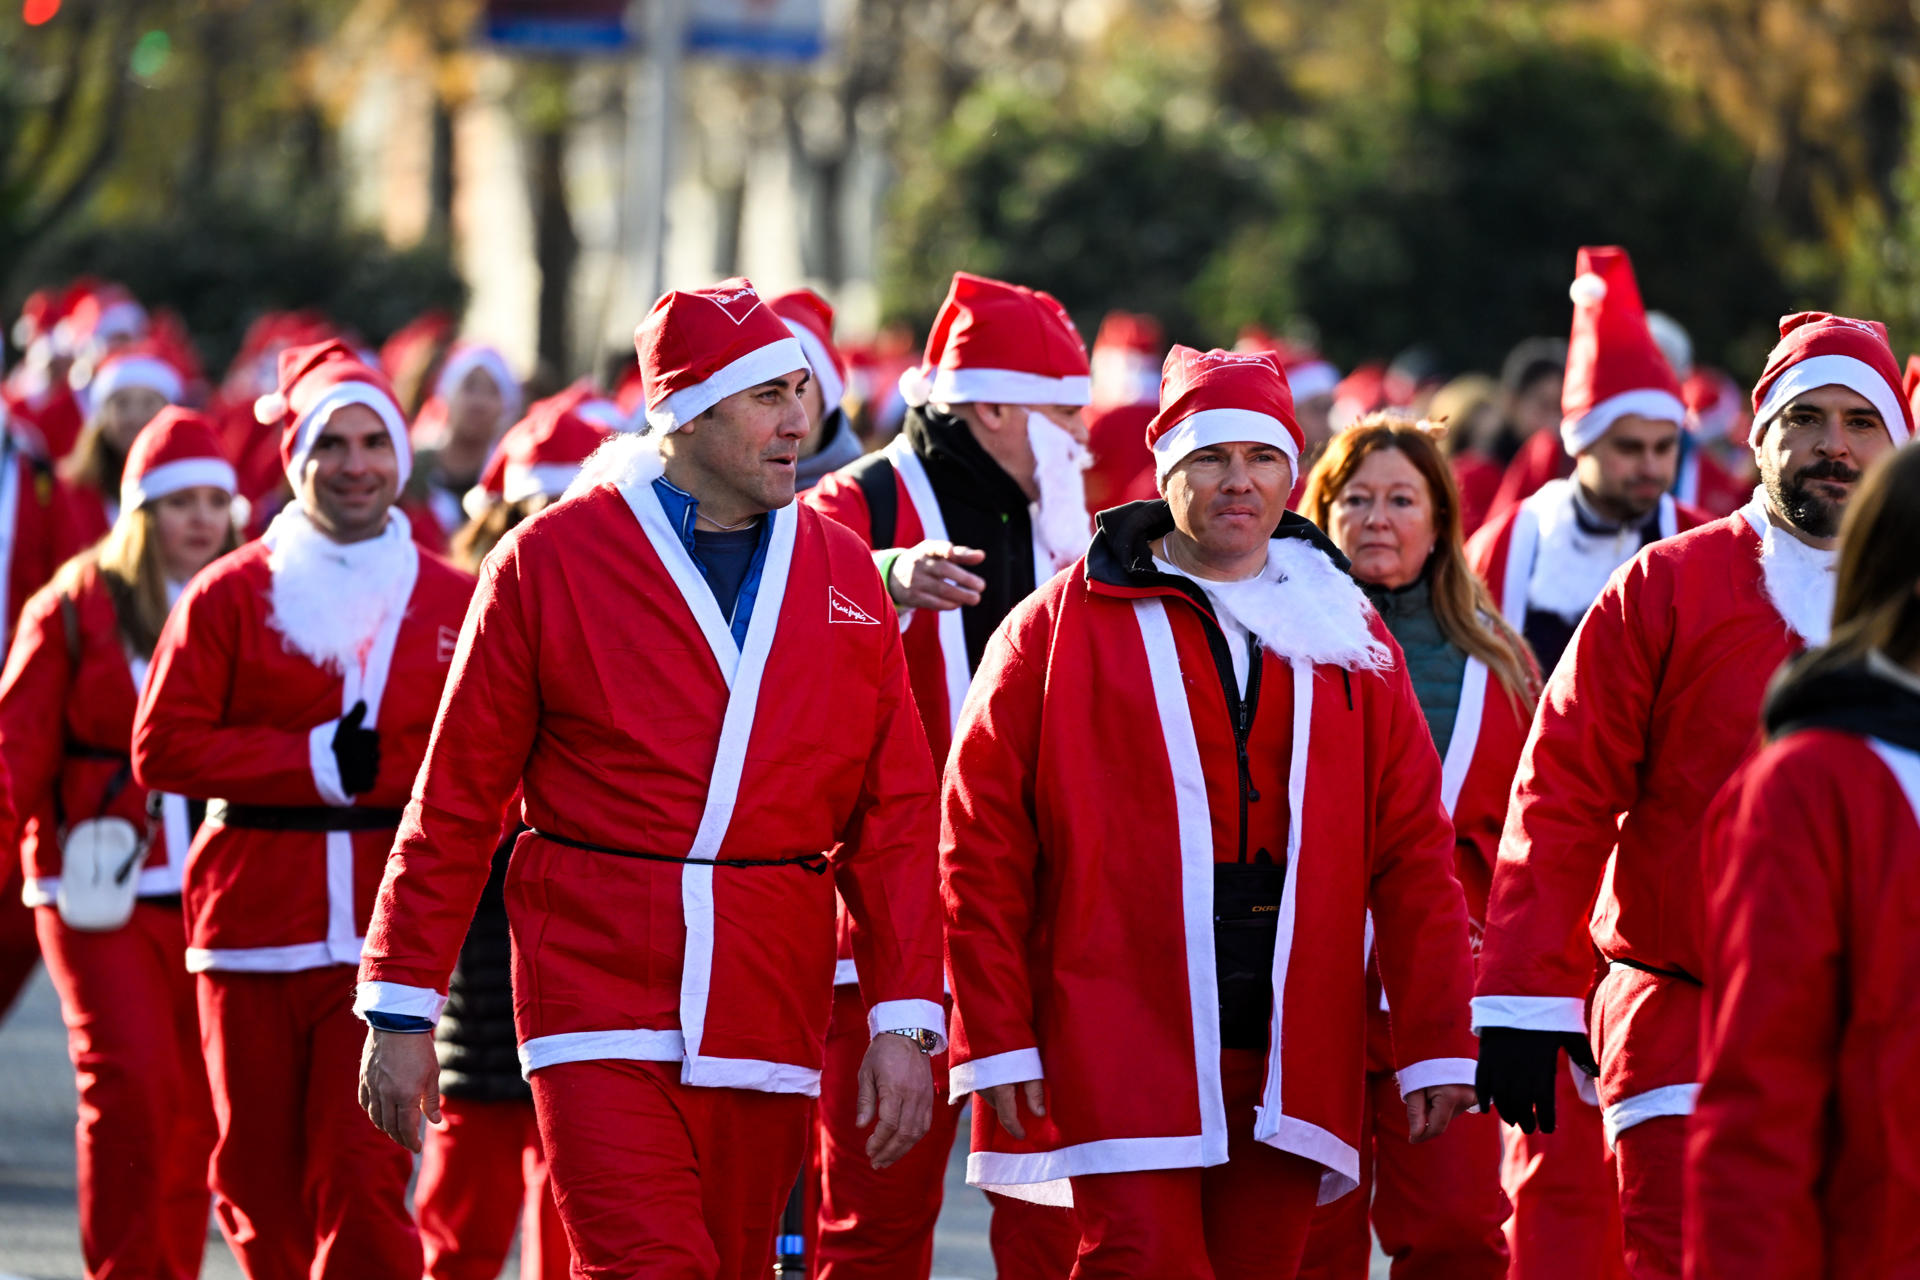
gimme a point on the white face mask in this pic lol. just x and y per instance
(1059, 472)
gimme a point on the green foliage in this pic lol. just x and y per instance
(1110, 209)
(222, 266)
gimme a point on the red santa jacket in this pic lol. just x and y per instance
(1654, 705)
(1540, 458)
(1093, 781)
(231, 712)
(38, 526)
(1117, 438)
(595, 666)
(1813, 873)
(1708, 487)
(66, 732)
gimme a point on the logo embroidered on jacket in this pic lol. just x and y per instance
(841, 609)
(449, 641)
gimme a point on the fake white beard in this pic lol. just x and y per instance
(329, 598)
(1301, 607)
(1799, 580)
(624, 461)
(1570, 565)
(1060, 519)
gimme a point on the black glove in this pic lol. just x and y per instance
(356, 751)
(1519, 1071)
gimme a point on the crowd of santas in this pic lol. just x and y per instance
(1565, 587)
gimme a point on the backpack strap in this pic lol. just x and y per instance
(875, 475)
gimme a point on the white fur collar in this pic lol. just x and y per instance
(624, 461)
(1799, 579)
(1060, 520)
(1302, 607)
(329, 599)
(1571, 566)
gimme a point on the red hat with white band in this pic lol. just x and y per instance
(538, 456)
(318, 381)
(177, 450)
(1127, 354)
(1218, 397)
(140, 365)
(1821, 350)
(999, 343)
(809, 317)
(1614, 367)
(699, 346)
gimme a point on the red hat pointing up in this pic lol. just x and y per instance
(316, 382)
(1821, 350)
(1217, 397)
(999, 343)
(699, 346)
(177, 450)
(1613, 366)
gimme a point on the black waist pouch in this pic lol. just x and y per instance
(1246, 923)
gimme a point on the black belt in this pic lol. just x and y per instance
(168, 901)
(813, 862)
(301, 817)
(88, 751)
(1678, 975)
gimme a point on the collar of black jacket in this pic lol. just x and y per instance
(1121, 555)
(1812, 693)
(957, 465)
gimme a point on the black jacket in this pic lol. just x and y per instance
(479, 1056)
(1811, 693)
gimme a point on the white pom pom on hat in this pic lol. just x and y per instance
(1587, 289)
(269, 408)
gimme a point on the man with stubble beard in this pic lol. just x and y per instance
(1654, 706)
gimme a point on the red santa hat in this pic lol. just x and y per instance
(809, 317)
(100, 316)
(1217, 397)
(179, 449)
(1308, 375)
(1821, 350)
(1614, 367)
(999, 343)
(1716, 404)
(146, 365)
(463, 358)
(1127, 353)
(1911, 384)
(539, 455)
(699, 346)
(316, 382)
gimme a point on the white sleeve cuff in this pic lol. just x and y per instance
(398, 999)
(326, 769)
(1530, 1013)
(1425, 1075)
(907, 614)
(1016, 1067)
(909, 1015)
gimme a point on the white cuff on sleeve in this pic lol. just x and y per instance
(1016, 1067)
(326, 769)
(909, 1015)
(1425, 1075)
(1530, 1013)
(398, 999)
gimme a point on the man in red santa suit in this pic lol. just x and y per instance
(292, 690)
(989, 458)
(699, 688)
(1653, 707)
(1125, 369)
(1801, 1157)
(1161, 1003)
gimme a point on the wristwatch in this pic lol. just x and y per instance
(924, 1040)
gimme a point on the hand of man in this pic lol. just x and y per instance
(896, 1089)
(1431, 1110)
(929, 576)
(1006, 1103)
(1519, 1073)
(356, 751)
(400, 1083)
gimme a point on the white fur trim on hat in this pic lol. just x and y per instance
(1831, 371)
(338, 398)
(833, 388)
(1210, 427)
(1313, 378)
(1584, 432)
(172, 477)
(135, 371)
(463, 361)
(543, 478)
(762, 364)
(1004, 386)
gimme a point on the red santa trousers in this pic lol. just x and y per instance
(1566, 1197)
(307, 1186)
(1437, 1207)
(19, 948)
(878, 1225)
(146, 1122)
(1652, 1157)
(481, 1171)
(1246, 1219)
(656, 1180)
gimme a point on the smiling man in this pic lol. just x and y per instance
(292, 691)
(1188, 769)
(699, 687)
(1655, 705)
